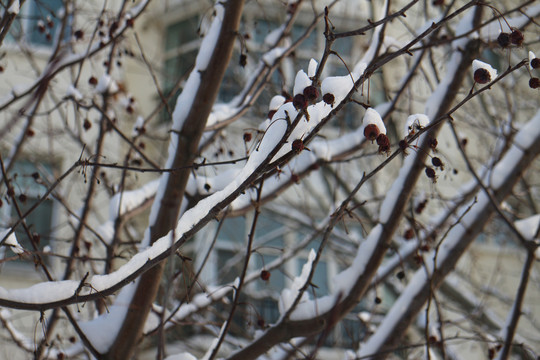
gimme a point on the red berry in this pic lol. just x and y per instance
(409, 234)
(247, 137)
(295, 178)
(420, 207)
(430, 173)
(371, 131)
(504, 40)
(78, 34)
(383, 142)
(534, 83)
(297, 146)
(378, 300)
(535, 63)
(435, 161)
(403, 145)
(243, 60)
(92, 80)
(265, 275)
(271, 113)
(329, 99)
(482, 76)
(30, 132)
(311, 93)
(87, 124)
(299, 101)
(516, 37)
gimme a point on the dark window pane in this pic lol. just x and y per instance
(233, 229)
(181, 33)
(310, 43)
(43, 21)
(38, 221)
(229, 266)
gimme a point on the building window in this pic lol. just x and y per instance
(26, 178)
(38, 22)
(259, 302)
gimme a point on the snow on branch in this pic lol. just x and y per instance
(457, 240)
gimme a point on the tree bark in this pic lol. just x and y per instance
(185, 153)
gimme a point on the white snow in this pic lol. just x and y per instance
(312, 68)
(276, 102)
(106, 84)
(11, 241)
(289, 295)
(339, 86)
(210, 39)
(139, 124)
(412, 290)
(528, 227)
(72, 91)
(529, 133)
(41, 293)
(524, 139)
(15, 8)
(111, 320)
(415, 123)
(531, 58)
(301, 82)
(373, 117)
(270, 57)
(477, 64)
(344, 281)
(126, 201)
(273, 37)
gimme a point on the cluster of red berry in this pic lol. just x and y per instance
(372, 133)
(516, 38)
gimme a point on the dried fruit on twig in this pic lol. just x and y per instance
(311, 93)
(371, 131)
(384, 143)
(265, 275)
(297, 146)
(516, 37)
(504, 40)
(329, 99)
(299, 101)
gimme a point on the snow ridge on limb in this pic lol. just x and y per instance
(367, 263)
(458, 239)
